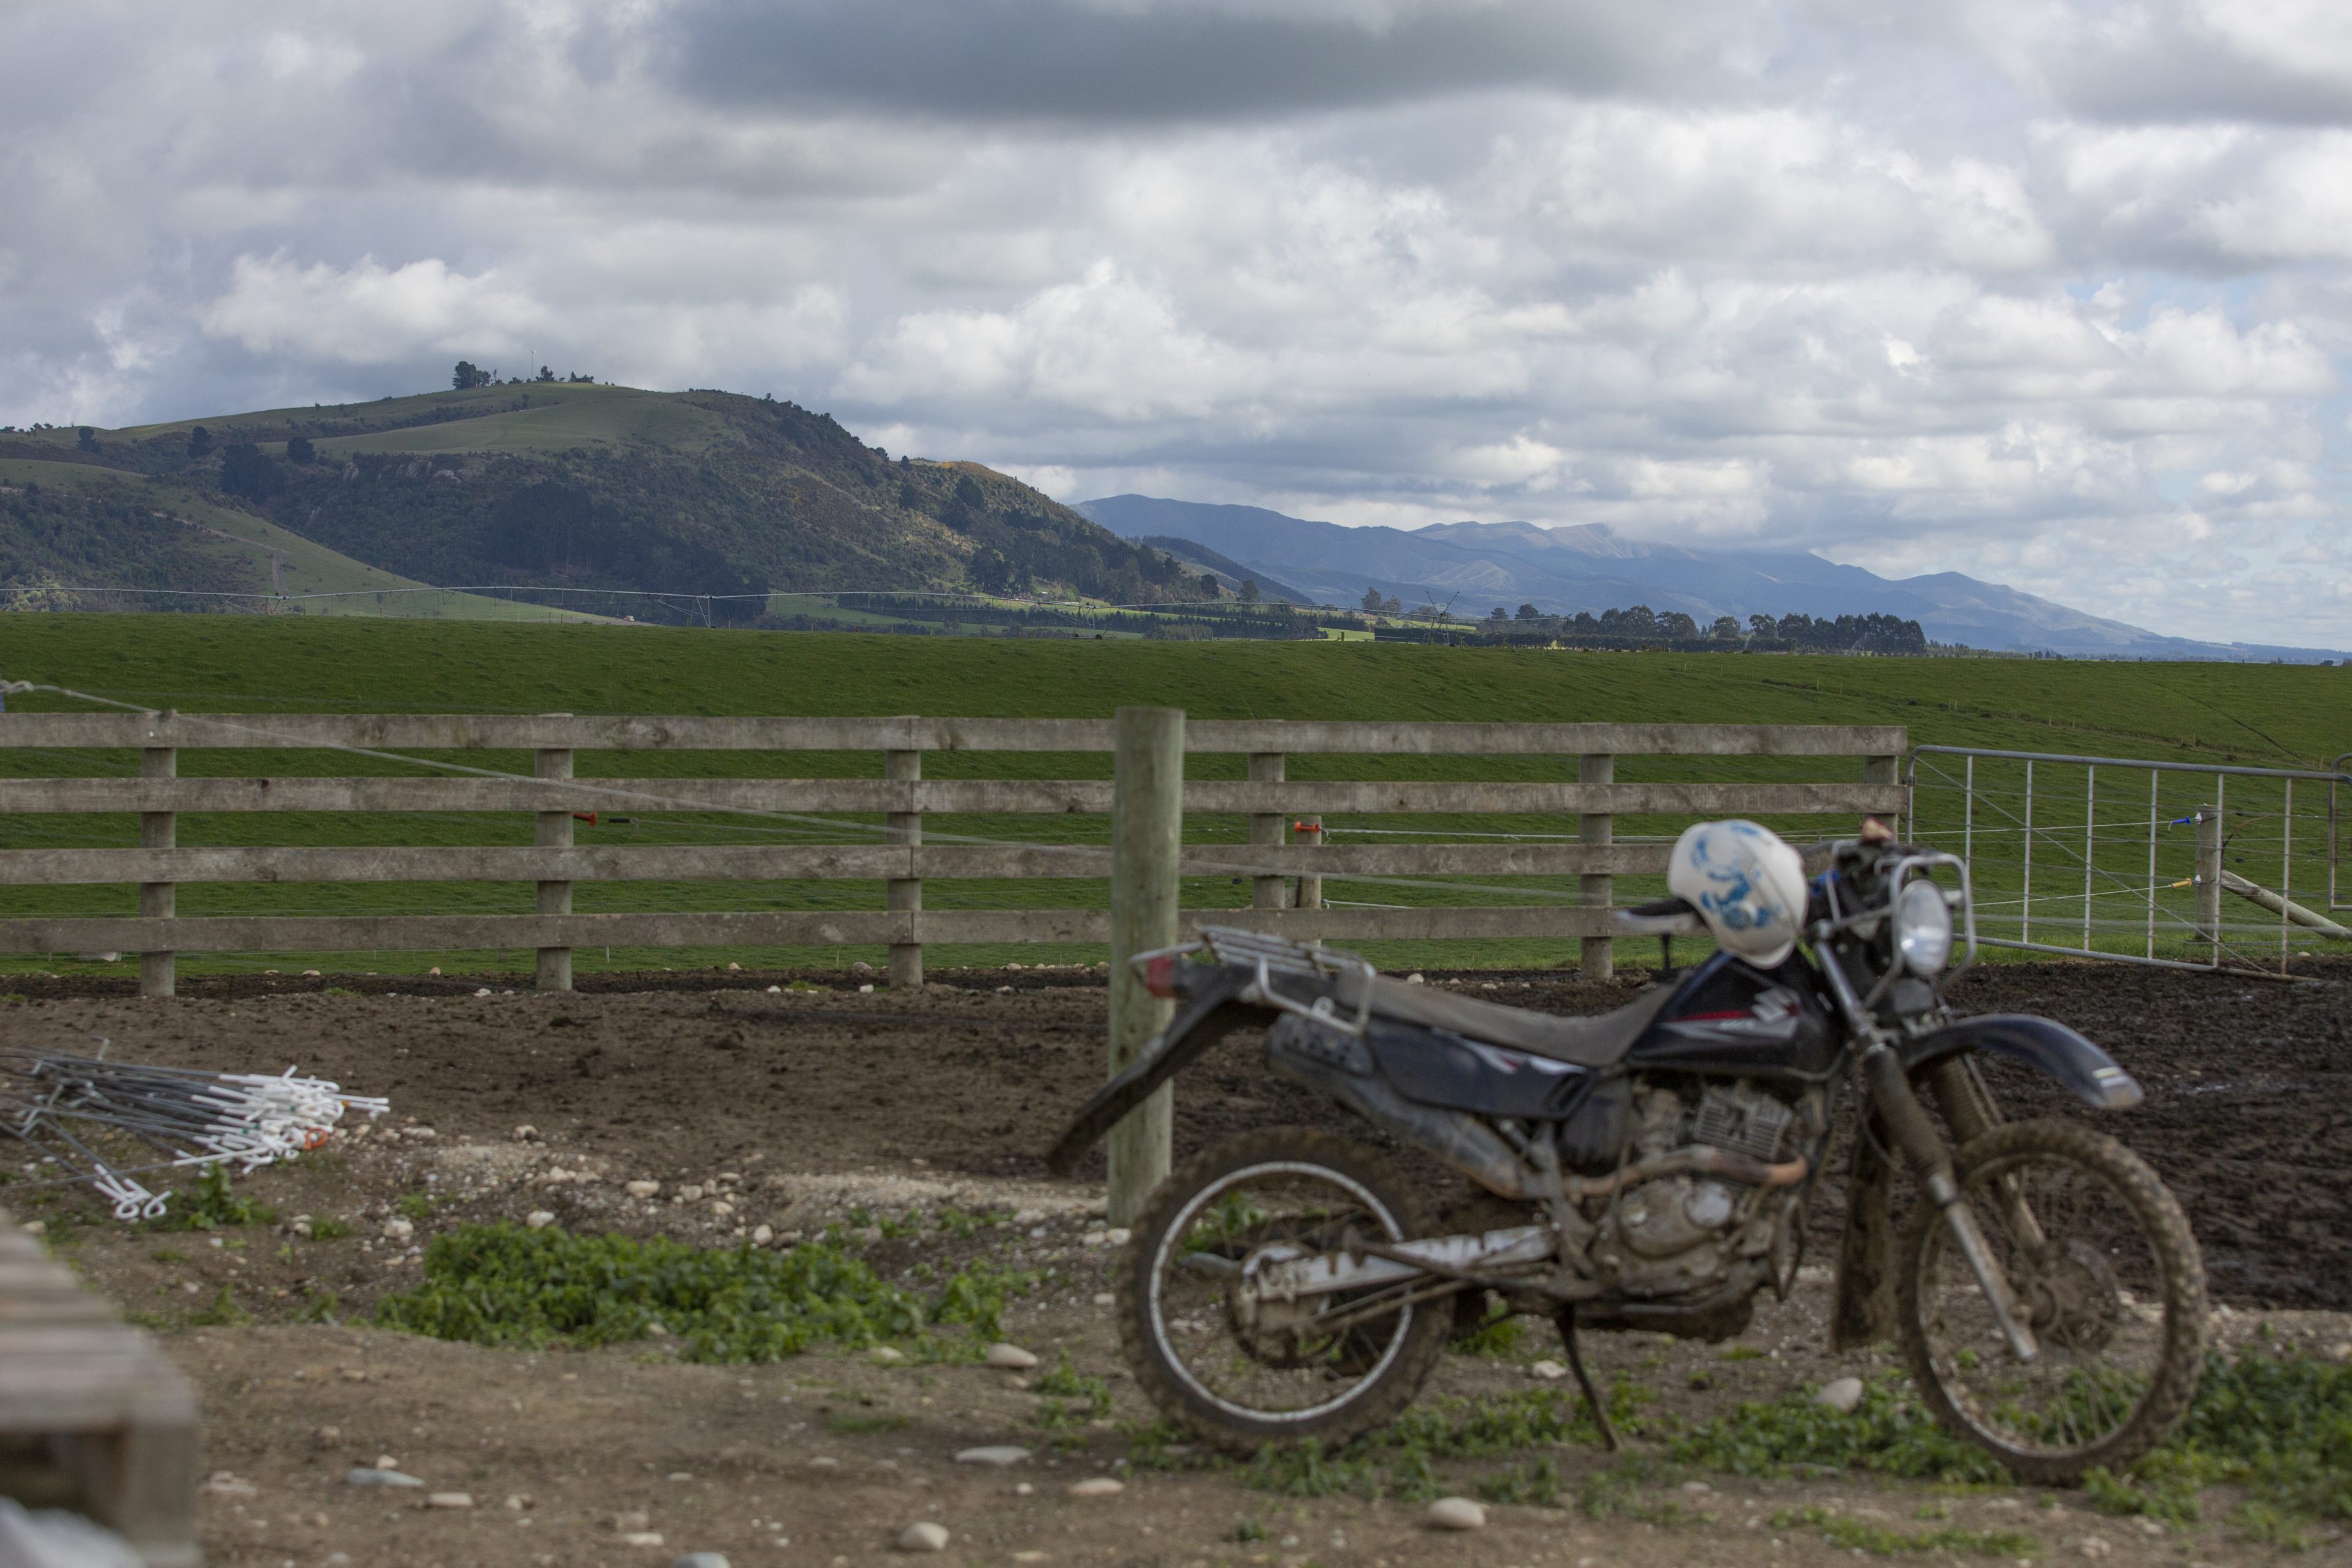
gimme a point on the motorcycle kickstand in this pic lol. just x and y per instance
(1567, 1321)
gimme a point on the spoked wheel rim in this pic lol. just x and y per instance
(1280, 1377)
(2092, 1279)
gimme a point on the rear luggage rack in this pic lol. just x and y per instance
(1270, 956)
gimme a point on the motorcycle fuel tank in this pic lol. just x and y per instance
(1729, 1018)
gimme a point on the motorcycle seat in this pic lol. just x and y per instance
(1598, 1041)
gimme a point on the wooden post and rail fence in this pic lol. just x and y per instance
(1275, 806)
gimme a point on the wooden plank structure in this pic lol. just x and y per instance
(118, 1418)
(1268, 798)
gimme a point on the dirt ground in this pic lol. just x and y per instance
(795, 1108)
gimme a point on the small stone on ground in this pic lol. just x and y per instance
(1096, 1486)
(365, 1476)
(1843, 1395)
(995, 1454)
(1011, 1357)
(923, 1536)
(1457, 1514)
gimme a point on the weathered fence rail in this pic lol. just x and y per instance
(902, 798)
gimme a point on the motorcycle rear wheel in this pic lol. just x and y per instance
(1182, 1337)
(2114, 1289)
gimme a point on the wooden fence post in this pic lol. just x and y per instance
(1598, 958)
(1884, 770)
(553, 832)
(158, 972)
(2209, 879)
(1310, 883)
(1266, 828)
(1147, 831)
(904, 892)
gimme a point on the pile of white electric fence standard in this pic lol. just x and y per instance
(84, 1118)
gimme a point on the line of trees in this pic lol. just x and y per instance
(468, 375)
(1642, 627)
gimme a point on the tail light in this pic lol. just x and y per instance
(1160, 975)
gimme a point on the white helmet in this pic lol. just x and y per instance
(1747, 885)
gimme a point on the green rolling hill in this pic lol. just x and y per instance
(701, 495)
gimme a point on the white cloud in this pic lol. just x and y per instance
(2052, 291)
(368, 314)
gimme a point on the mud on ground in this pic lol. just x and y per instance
(797, 1108)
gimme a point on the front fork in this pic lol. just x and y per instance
(1899, 1109)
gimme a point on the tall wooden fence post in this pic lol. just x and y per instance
(905, 892)
(1598, 958)
(158, 972)
(553, 832)
(2209, 879)
(1265, 828)
(1147, 831)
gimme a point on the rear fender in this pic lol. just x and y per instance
(2080, 1068)
(1206, 1018)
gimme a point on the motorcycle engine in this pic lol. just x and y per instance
(1678, 1235)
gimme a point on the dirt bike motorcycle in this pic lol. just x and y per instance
(1648, 1168)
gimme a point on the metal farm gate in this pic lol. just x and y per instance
(2129, 859)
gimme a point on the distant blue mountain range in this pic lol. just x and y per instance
(1474, 566)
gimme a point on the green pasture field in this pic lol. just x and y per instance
(2268, 716)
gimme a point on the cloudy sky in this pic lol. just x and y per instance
(2053, 293)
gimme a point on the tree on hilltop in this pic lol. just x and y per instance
(468, 375)
(200, 442)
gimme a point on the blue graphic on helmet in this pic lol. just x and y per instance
(1733, 896)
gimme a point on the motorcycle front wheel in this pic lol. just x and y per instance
(1238, 1373)
(2103, 1261)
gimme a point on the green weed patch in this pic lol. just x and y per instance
(503, 1285)
(1888, 1434)
(212, 1205)
(1860, 1535)
(2279, 1426)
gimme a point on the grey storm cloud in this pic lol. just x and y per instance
(2055, 292)
(1049, 61)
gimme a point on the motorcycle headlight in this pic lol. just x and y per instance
(1923, 927)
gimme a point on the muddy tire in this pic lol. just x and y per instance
(1176, 1325)
(2114, 1286)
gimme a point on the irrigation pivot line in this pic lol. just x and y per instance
(78, 1114)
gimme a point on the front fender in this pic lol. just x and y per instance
(1203, 1019)
(2082, 1069)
